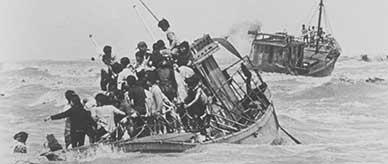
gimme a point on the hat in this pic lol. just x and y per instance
(21, 136)
(141, 44)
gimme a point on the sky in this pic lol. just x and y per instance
(59, 29)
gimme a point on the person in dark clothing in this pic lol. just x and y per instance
(137, 94)
(106, 73)
(196, 100)
(142, 55)
(156, 57)
(81, 121)
(184, 57)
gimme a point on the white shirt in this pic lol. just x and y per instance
(122, 77)
(105, 116)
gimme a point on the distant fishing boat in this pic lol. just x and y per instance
(239, 114)
(283, 53)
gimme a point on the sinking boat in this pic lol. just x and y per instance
(283, 53)
(241, 111)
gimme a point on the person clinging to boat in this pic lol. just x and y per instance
(81, 121)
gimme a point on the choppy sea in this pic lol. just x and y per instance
(339, 119)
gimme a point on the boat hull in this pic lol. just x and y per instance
(321, 69)
(263, 131)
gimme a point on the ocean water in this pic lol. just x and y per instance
(339, 119)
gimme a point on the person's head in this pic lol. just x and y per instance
(124, 61)
(161, 44)
(69, 94)
(313, 27)
(117, 68)
(303, 26)
(184, 47)
(75, 101)
(21, 137)
(131, 81)
(164, 25)
(107, 50)
(139, 58)
(192, 81)
(101, 99)
(142, 46)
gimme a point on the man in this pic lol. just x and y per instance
(164, 25)
(81, 121)
(305, 34)
(184, 57)
(127, 71)
(156, 57)
(106, 72)
(142, 56)
(136, 95)
(104, 116)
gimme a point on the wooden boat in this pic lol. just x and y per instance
(243, 115)
(285, 53)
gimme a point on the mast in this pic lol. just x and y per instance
(319, 26)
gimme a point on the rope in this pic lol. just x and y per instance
(313, 15)
(327, 22)
(143, 21)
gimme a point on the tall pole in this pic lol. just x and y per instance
(319, 32)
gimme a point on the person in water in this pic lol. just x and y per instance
(68, 95)
(81, 121)
(20, 145)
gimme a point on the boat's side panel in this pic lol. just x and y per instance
(155, 147)
(264, 131)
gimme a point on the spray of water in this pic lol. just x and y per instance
(238, 35)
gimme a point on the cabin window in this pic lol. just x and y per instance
(257, 54)
(278, 55)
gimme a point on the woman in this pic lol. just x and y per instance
(80, 119)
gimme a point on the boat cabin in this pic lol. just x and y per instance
(227, 85)
(276, 49)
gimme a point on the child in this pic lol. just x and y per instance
(20, 145)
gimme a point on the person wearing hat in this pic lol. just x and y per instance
(20, 145)
(173, 40)
(142, 56)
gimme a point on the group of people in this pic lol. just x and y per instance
(160, 93)
(310, 35)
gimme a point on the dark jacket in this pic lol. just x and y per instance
(80, 119)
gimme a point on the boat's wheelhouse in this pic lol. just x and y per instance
(234, 88)
(277, 49)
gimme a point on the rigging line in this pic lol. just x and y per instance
(328, 21)
(143, 21)
(313, 15)
(310, 13)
